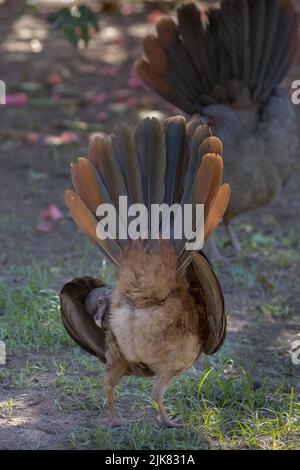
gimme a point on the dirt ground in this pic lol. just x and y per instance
(34, 172)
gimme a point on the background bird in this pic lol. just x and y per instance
(167, 306)
(226, 65)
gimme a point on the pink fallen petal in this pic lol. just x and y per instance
(127, 9)
(56, 98)
(65, 138)
(54, 79)
(68, 137)
(17, 101)
(147, 100)
(154, 16)
(135, 82)
(98, 99)
(52, 213)
(171, 108)
(133, 102)
(122, 95)
(108, 71)
(31, 137)
(103, 116)
(45, 227)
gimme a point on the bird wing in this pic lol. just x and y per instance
(78, 323)
(206, 289)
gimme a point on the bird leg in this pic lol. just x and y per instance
(113, 374)
(160, 385)
(233, 238)
(215, 252)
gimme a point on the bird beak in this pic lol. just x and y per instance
(99, 323)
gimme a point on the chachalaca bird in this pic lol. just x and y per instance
(167, 306)
(226, 65)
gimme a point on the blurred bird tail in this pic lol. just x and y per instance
(235, 55)
(177, 163)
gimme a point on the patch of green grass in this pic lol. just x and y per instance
(264, 242)
(220, 407)
(285, 258)
(276, 309)
(32, 315)
(85, 261)
(11, 222)
(36, 180)
(78, 390)
(279, 245)
(23, 376)
(242, 276)
(7, 408)
(217, 410)
(59, 160)
(292, 239)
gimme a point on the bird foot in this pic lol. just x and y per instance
(169, 423)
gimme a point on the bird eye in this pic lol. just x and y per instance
(100, 300)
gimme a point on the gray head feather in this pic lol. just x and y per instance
(92, 299)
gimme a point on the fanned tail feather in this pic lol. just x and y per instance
(177, 163)
(123, 145)
(87, 222)
(237, 53)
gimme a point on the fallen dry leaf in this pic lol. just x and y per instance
(102, 116)
(108, 71)
(17, 101)
(66, 138)
(54, 79)
(52, 213)
(31, 137)
(45, 227)
(135, 82)
(154, 16)
(127, 9)
(98, 99)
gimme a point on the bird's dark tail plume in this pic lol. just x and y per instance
(235, 55)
